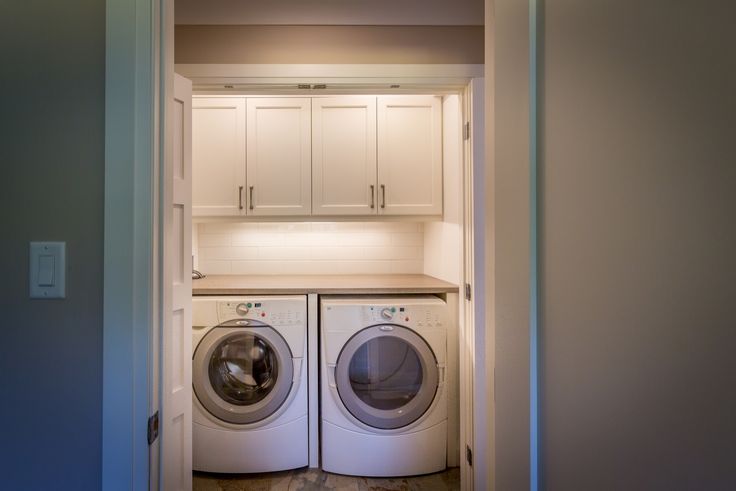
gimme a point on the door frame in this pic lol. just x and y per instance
(139, 62)
(131, 302)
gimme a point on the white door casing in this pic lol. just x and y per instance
(132, 42)
(218, 156)
(344, 155)
(279, 156)
(176, 400)
(409, 155)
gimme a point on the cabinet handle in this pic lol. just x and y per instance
(373, 196)
(383, 196)
(250, 203)
(240, 197)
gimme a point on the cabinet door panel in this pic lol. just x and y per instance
(218, 155)
(279, 156)
(410, 155)
(344, 155)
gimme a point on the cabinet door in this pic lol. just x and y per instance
(218, 156)
(409, 155)
(344, 155)
(279, 156)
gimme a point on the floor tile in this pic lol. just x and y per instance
(200, 483)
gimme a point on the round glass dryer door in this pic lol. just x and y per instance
(387, 376)
(242, 375)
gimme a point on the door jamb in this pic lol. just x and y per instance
(129, 293)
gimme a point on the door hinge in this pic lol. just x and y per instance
(466, 131)
(153, 428)
(469, 455)
(468, 291)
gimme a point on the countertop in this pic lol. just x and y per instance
(324, 284)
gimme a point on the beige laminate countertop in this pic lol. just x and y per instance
(335, 284)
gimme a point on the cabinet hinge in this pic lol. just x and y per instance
(468, 291)
(153, 428)
(466, 131)
(469, 455)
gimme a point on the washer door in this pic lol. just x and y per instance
(387, 376)
(242, 375)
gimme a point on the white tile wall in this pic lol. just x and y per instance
(310, 248)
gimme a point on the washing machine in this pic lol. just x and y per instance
(384, 403)
(249, 377)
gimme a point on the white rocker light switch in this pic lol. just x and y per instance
(47, 270)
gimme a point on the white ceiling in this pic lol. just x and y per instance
(330, 12)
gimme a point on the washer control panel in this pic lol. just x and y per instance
(228, 310)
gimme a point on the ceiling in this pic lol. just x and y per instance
(331, 12)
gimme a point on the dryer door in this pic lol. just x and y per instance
(387, 376)
(242, 375)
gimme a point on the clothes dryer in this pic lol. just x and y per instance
(384, 404)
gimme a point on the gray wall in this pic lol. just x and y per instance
(330, 12)
(329, 44)
(639, 245)
(51, 152)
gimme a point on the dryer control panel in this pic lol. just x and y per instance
(407, 315)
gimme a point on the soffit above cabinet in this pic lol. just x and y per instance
(331, 12)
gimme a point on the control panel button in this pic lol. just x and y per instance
(242, 309)
(387, 313)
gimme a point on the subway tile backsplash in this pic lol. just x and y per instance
(310, 248)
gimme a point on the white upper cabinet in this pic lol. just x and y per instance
(218, 156)
(322, 156)
(409, 155)
(344, 155)
(279, 156)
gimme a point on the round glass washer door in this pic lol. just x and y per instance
(387, 376)
(242, 375)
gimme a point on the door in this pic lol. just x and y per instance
(410, 155)
(218, 156)
(242, 375)
(176, 400)
(344, 155)
(279, 156)
(387, 376)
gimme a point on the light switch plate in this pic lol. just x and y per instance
(47, 275)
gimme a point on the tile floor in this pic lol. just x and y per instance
(315, 479)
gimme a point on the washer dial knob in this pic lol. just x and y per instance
(387, 314)
(241, 309)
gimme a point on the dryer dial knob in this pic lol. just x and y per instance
(241, 309)
(387, 314)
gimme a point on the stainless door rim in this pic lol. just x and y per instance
(232, 413)
(388, 419)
